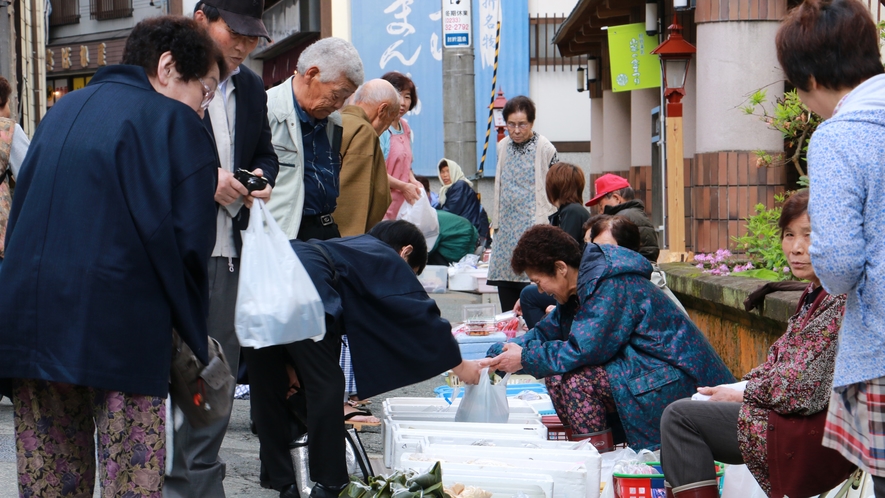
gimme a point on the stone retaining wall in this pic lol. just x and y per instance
(715, 304)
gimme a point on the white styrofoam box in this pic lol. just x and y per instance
(569, 478)
(434, 278)
(483, 287)
(584, 453)
(478, 272)
(529, 429)
(530, 485)
(462, 282)
(403, 407)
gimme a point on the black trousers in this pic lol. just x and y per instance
(693, 435)
(534, 304)
(508, 293)
(318, 402)
(322, 385)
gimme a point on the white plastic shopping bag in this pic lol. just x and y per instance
(277, 302)
(739, 483)
(484, 402)
(422, 215)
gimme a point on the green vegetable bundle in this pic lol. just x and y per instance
(408, 484)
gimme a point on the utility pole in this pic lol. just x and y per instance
(459, 116)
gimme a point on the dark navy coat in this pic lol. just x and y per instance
(395, 332)
(652, 353)
(461, 200)
(109, 238)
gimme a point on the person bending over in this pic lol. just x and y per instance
(370, 292)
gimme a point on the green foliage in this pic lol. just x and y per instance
(762, 242)
(790, 117)
(762, 273)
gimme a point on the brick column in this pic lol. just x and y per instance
(736, 56)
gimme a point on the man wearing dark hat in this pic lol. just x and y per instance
(615, 196)
(237, 118)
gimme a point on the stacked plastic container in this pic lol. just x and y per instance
(504, 459)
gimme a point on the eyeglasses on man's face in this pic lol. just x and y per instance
(208, 94)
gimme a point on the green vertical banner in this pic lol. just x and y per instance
(633, 66)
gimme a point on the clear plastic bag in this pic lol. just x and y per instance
(484, 402)
(277, 302)
(422, 215)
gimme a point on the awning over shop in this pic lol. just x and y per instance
(581, 32)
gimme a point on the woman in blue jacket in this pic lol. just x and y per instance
(616, 347)
(107, 250)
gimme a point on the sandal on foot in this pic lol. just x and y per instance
(359, 424)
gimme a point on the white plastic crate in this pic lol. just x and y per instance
(416, 429)
(440, 409)
(570, 479)
(583, 453)
(410, 441)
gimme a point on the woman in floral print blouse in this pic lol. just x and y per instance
(747, 427)
(616, 348)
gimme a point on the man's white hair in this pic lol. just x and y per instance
(334, 57)
(376, 92)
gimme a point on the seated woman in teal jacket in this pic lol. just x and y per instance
(614, 348)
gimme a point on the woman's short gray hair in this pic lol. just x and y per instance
(334, 57)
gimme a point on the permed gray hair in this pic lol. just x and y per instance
(334, 57)
(376, 92)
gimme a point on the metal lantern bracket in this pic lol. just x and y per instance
(676, 54)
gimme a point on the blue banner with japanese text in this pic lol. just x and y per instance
(406, 36)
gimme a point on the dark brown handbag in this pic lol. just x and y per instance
(204, 393)
(799, 466)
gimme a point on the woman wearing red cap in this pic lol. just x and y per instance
(520, 195)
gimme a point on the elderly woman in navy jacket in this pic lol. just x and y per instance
(615, 347)
(107, 248)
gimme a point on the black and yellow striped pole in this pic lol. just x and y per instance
(485, 147)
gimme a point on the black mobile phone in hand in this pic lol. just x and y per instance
(250, 180)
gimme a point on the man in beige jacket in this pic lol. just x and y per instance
(306, 133)
(365, 193)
